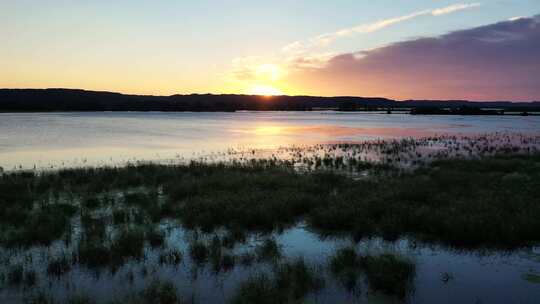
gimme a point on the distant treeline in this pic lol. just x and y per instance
(53, 100)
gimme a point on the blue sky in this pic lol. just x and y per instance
(165, 47)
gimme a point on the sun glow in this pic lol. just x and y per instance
(264, 90)
(269, 71)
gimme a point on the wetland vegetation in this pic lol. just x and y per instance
(105, 220)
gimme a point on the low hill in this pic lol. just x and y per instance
(52, 100)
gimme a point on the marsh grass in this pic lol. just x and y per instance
(128, 244)
(52, 219)
(39, 298)
(94, 255)
(233, 237)
(117, 215)
(120, 216)
(59, 266)
(91, 203)
(216, 253)
(487, 202)
(198, 252)
(268, 250)
(30, 278)
(156, 292)
(346, 266)
(160, 292)
(15, 275)
(155, 237)
(386, 273)
(390, 274)
(80, 299)
(94, 228)
(171, 257)
(531, 278)
(465, 203)
(289, 282)
(249, 198)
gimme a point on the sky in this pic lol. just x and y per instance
(413, 49)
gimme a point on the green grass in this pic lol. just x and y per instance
(289, 282)
(198, 252)
(39, 298)
(92, 203)
(80, 299)
(15, 275)
(386, 273)
(171, 257)
(30, 278)
(532, 278)
(129, 243)
(268, 250)
(473, 203)
(155, 237)
(59, 266)
(52, 220)
(248, 198)
(160, 292)
(346, 266)
(93, 254)
(389, 274)
(94, 228)
(156, 292)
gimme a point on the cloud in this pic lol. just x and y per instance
(324, 40)
(373, 27)
(493, 62)
(311, 53)
(453, 8)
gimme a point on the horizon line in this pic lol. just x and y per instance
(271, 96)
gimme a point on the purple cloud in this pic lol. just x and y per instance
(500, 61)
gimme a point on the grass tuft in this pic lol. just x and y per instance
(389, 274)
(289, 283)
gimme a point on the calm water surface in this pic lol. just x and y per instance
(46, 140)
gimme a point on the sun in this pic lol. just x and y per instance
(264, 90)
(269, 72)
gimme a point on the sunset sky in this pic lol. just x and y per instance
(438, 49)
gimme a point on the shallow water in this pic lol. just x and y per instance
(52, 140)
(472, 276)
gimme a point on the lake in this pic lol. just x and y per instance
(52, 140)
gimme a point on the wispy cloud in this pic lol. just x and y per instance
(324, 40)
(454, 8)
(516, 18)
